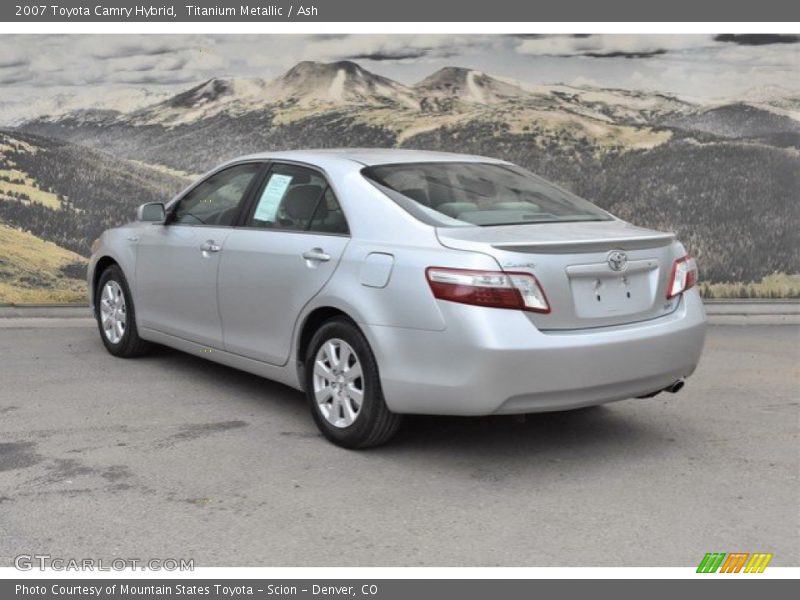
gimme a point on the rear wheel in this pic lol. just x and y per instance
(344, 389)
(115, 315)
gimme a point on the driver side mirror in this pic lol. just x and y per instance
(152, 212)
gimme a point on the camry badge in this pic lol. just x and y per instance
(617, 260)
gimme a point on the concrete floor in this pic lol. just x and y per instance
(172, 457)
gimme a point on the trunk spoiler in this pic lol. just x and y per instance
(588, 245)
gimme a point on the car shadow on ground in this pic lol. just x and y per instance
(608, 432)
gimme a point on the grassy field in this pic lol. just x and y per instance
(27, 187)
(33, 271)
(778, 286)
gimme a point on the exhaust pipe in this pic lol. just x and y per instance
(675, 387)
(672, 388)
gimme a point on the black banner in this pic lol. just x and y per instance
(732, 588)
(408, 11)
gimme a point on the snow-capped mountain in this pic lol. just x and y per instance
(203, 101)
(216, 91)
(467, 85)
(315, 87)
(343, 82)
(451, 95)
(307, 85)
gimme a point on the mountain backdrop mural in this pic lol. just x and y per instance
(724, 175)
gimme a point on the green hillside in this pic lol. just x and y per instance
(89, 190)
(33, 271)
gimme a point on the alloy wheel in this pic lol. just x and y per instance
(113, 312)
(338, 383)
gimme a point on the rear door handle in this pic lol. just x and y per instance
(210, 246)
(317, 254)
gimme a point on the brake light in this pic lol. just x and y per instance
(496, 289)
(684, 276)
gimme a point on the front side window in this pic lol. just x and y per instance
(452, 194)
(296, 198)
(218, 199)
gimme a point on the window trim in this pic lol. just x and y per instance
(248, 209)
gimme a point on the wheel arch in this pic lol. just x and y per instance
(102, 264)
(310, 324)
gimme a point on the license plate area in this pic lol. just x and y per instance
(599, 292)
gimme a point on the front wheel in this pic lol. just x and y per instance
(344, 390)
(115, 315)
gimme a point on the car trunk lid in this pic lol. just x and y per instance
(595, 274)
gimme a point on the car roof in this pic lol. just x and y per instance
(366, 156)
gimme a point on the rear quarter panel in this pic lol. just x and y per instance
(406, 300)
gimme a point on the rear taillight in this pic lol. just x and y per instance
(496, 289)
(684, 276)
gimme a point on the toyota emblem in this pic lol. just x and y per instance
(617, 260)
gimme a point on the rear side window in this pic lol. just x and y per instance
(328, 217)
(218, 199)
(295, 198)
(452, 194)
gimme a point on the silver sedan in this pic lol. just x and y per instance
(389, 282)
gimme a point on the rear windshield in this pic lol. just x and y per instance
(453, 194)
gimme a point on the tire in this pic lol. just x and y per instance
(372, 424)
(124, 342)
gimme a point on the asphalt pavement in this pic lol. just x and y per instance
(170, 456)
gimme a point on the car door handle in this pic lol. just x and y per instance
(317, 254)
(210, 246)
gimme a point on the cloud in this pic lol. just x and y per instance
(12, 57)
(622, 54)
(13, 63)
(141, 63)
(611, 46)
(397, 48)
(13, 77)
(537, 36)
(781, 56)
(757, 39)
(395, 55)
(142, 78)
(331, 36)
(105, 49)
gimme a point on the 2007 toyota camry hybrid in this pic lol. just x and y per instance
(389, 282)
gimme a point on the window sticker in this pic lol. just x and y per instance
(271, 197)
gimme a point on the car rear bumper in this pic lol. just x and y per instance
(494, 361)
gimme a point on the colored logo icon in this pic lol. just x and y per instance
(734, 562)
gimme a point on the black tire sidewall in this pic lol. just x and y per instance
(356, 434)
(122, 347)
